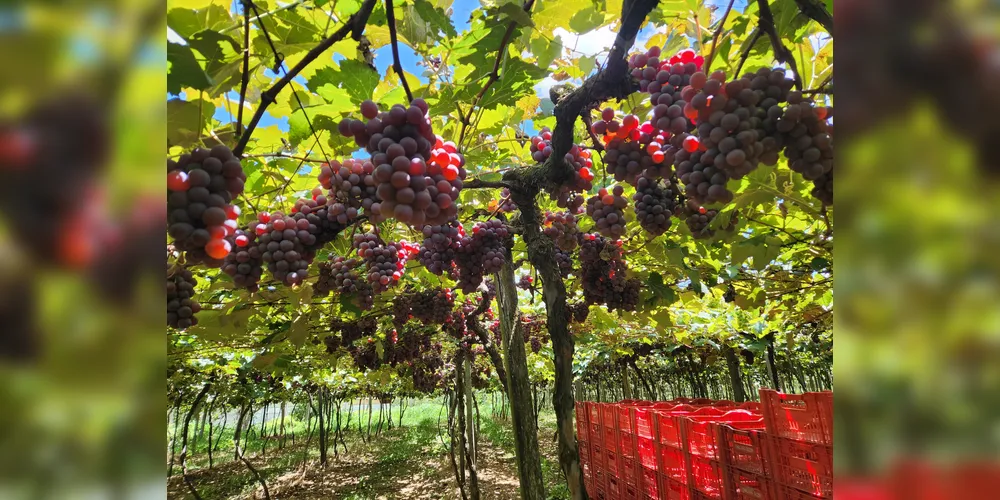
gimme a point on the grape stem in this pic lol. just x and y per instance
(494, 75)
(781, 53)
(481, 184)
(246, 67)
(715, 37)
(391, 18)
(354, 26)
(815, 10)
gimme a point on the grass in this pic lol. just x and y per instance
(403, 462)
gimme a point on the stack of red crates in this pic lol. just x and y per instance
(700, 449)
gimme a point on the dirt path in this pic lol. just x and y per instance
(408, 463)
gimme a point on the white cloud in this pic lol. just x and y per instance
(590, 43)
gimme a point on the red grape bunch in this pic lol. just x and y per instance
(181, 306)
(535, 332)
(665, 82)
(351, 330)
(432, 306)
(200, 189)
(699, 218)
(245, 263)
(506, 204)
(322, 224)
(562, 228)
(656, 201)
(578, 158)
(418, 176)
(525, 282)
(808, 143)
(351, 186)
(285, 244)
(385, 262)
(604, 274)
(608, 211)
(481, 253)
(340, 274)
(440, 245)
(633, 148)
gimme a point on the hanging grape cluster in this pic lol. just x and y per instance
(430, 307)
(322, 223)
(608, 211)
(698, 220)
(656, 201)
(245, 263)
(525, 282)
(286, 244)
(181, 305)
(809, 143)
(603, 274)
(562, 228)
(535, 332)
(384, 262)
(351, 188)
(340, 274)
(200, 216)
(440, 245)
(632, 148)
(577, 158)
(482, 253)
(418, 176)
(351, 330)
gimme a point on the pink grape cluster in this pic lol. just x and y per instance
(418, 176)
(608, 211)
(286, 245)
(351, 188)
(340, 274)
(385, 262)
(633, 149)
(578, 158)
(245, 263)
(603, 274)
(665, 82)
(656, 201)
(562, 227)
(440, 245)
(482, 253)
(201, 187)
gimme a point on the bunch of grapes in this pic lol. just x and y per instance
(603, 274)
(535, 332)
(455, 326)
(699, 218)
(481, 253)
(562, 228)
(200, 189)
(427, 369)
(352, 187)
(322, 223)
(332, 343)
(353, 330)
(285, 244)
(432, 306)
(418, 177)
(365, 356)
(807, 139)
(245, 264)
(525, 282)
(441, 242)
(645, 151)
(506, 203)
(577, 158)
(655, 201)
(564, 260)
(407, 347)
(340, 274)
(608, 211)
(579, 311)
(385, 262)
(665, 81)
(181, 306)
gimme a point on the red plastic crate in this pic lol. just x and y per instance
(646, 452)
(801, 465)
(751, 406)
(628, 471)
(609, 413)
(788, 493)
(668, 424)
(594, 412)
(707, 476)
(745, 485)
(701, 434)
(612, 462)
(597, 455)
(600, 479)
(673, 490)
(745, 449)
(623, 414)
(643, 421)
(673, 463)
(584, 448)
(649, 482)
(614, 487)
(609, 437)
(803, 417)
(626, 444)
(630, 491)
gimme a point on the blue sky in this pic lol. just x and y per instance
(594, 43)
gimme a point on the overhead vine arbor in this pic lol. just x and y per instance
(353, 227)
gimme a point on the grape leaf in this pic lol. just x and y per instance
(184, 70)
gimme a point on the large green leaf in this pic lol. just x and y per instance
(184, 70)
(185, 120)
